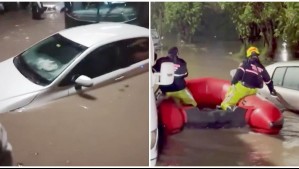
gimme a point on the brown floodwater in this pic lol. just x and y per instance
(227, 147)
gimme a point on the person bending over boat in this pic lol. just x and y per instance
(177, 90)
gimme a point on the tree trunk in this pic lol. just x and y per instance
(273, 41)
(264, 30)
(188, 34)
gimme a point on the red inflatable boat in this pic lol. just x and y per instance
(261, 115)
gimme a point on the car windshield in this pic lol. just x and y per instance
(45, 61)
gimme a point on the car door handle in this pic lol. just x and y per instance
(119, 78)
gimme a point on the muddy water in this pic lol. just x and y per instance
(104, 130)
(227, 147)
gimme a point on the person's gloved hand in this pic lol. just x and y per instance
(273, 92)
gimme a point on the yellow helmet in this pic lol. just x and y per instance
(252, 50)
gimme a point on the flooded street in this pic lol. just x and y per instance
(18, 31)
(105, 127)
(227, 147)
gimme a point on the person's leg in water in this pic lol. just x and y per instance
(182, 96)
(234, 94)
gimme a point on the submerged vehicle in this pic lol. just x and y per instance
(70, 61)
(259, 114)
(284, 77)
(84, 13)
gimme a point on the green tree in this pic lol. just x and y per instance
(267, 20)
(183, 17)
(288, 23)
(255, 20)
(157, 16)
(258, 23)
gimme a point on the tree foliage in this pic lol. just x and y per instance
(254, 21)
(269, 20)
(257, 20)
(157, 14)
(184, 17)
(288, 22)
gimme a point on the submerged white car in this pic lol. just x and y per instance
(70, 61)
(107, 126)
(286, 82)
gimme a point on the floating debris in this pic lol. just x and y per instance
(84, 107)
(20, 164)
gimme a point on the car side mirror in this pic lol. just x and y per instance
(83, 80)
(166, 75)
(233, 72)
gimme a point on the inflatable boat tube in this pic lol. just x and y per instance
(261, 115)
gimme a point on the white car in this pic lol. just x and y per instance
(107, 126)
(286, 82)
(164, 77)
(70, 61)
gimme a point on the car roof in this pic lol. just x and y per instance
(286, 63)
(92, 34)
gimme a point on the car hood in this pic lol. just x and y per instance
(13, 83)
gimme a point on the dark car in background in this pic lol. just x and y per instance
(83, 13)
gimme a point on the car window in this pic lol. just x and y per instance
(136, 49)
(104, 11)
(291, 80)
(109, 58)
(278, 76)
(44, 61)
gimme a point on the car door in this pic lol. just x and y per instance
(110, 63)
(286, 82)
(290, 87)
(277, 77)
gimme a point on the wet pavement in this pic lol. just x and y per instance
(227, 147)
